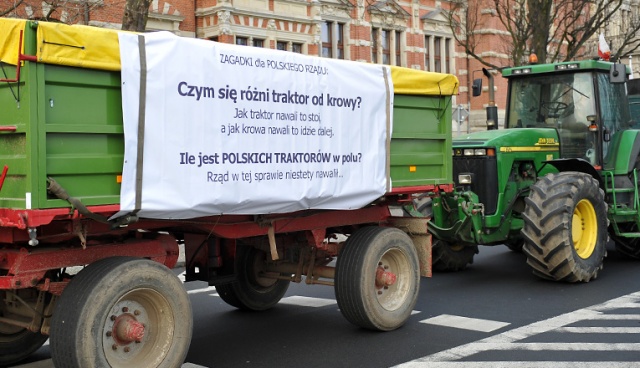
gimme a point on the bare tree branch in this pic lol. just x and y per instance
(11, 9)
(556, 30)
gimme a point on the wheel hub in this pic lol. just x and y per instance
(391, 278)
(584, 229)
(384, 278)
(124, 330)
(127, 329)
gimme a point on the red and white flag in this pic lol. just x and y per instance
(603, 48)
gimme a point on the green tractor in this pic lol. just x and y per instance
(555, 183)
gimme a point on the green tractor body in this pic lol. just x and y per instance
(555, 182)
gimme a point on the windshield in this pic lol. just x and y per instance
(551, 100)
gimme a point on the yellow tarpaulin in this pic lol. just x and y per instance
(9, 39)
(418, 82)
(77, 45)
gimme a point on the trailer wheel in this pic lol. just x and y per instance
(18, 343)
(565, 227)
(252, 291)
(377, 278)
(447, 257)
(122, 312)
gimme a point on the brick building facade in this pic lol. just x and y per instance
(408, 33)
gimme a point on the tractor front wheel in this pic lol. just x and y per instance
(565, 227)
(452, 257)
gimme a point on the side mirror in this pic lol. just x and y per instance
(477, 87)
(618, 73)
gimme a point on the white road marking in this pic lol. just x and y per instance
(474, 324)
(508, 340)
(528, 364)
(305, 301)
(204, 290)
(600, 330)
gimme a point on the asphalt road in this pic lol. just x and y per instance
(494, 314)
(527, 321)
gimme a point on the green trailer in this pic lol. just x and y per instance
(62, 150)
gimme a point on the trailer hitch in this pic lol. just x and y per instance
(57, 190)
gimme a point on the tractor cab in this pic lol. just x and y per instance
(577, 99)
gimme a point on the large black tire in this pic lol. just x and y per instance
(565, 227)
(515, 245)
(90, 322)
(451, 257)
(250, 291)
(18, 343)
(445, 257)
(629, 247)
(365, 296)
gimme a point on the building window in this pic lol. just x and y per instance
(381, 45)
(447, 56)
(375, 32)
(257, 42)
(398, 42)
(332, 40)
(340, 41)
(242, 41)
(214, 38)
(280, 45)
(427, 58)
(437, 55)
(326, 40)
(385, 43)
(296, 47)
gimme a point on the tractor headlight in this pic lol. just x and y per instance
(464, 179)
(475, 152)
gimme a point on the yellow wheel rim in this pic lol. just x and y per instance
(584, 229)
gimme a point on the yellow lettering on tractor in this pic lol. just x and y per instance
(546, 141)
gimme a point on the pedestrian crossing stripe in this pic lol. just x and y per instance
(473, 324)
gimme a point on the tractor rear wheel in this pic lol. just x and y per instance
(565, 227)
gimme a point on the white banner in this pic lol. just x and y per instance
(242, 130)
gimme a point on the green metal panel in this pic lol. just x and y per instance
(69, 127)
(421, 141)
(84, 147)
(16, 148)
(618, 158)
